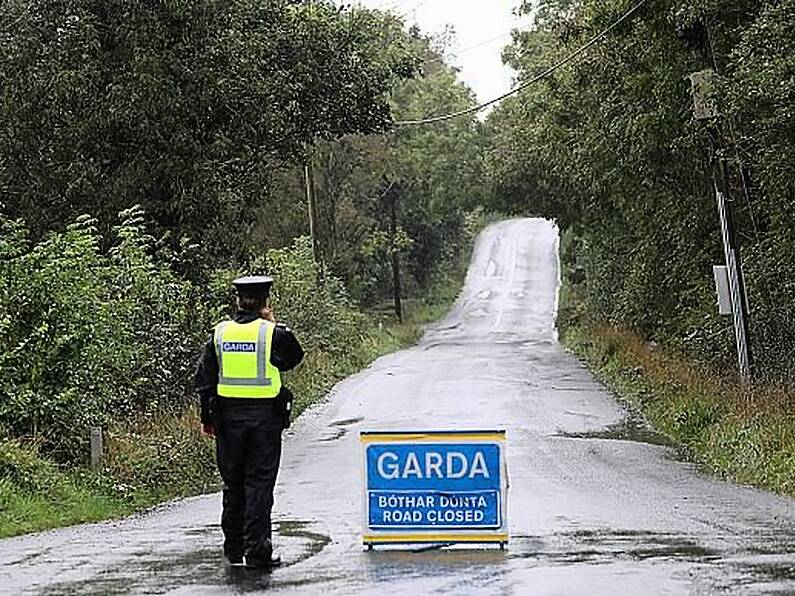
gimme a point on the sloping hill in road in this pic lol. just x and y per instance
(595, 506)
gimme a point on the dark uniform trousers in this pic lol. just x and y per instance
(248, 450)
(248, 445)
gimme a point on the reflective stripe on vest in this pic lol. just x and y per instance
(244, 360)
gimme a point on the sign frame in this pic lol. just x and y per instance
(492, 534)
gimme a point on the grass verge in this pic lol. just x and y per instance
(164, 456)
(747, 435)
(35, 495)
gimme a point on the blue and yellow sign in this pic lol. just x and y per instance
(432, 487)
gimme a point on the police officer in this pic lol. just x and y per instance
(245, 407)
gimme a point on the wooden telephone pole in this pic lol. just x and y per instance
(311, 201)
(396, 282)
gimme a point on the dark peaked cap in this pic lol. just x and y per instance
(257, 285)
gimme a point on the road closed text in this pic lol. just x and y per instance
(479, 510)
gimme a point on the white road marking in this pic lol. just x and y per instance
(510, 285)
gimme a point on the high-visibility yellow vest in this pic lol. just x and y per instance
(244, 360)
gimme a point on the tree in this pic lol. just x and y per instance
(439, 171)
(185, 108)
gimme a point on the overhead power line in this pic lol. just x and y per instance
(413, 9)
(549, 71)
(457, 53)
(485, 42)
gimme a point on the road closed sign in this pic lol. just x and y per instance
(434, 487)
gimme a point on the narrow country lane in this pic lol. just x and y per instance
(596, 506)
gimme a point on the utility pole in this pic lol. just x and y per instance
(311, 201)
(393, 195)
(705, 109)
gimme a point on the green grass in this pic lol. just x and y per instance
(66, 503)
(36, 495)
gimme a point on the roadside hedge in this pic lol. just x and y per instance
(110, 336)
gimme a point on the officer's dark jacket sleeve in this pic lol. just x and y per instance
(207, 379)
(286, 353)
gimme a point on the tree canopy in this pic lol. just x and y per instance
(610, 149)
(183, 107)
(152, 151)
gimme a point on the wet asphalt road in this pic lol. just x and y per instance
(597, 504)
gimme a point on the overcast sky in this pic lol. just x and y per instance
(482, 29)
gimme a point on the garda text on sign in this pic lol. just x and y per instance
(434, 487)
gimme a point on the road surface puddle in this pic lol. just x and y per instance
(151, 572)
(338, 429)
(203, 530)
(607, 547)
(158, 571)
(721, 565)
(310, 543)
(385, 566)
(632, 428)
(774, 569)
(334, 434)
(347, 421)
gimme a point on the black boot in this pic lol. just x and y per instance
(262, 557)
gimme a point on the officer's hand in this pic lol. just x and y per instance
(267, 314)
(208, 430)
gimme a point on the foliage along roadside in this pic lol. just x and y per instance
(405, 192)
(609, 148)
(156, 453)
(186, 108)
(103, 315)
(746, 436)
(205, 113)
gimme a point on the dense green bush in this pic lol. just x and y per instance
(104, 337)
(318, 309)
(155, 452)
(89, 335)
(20, 466)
